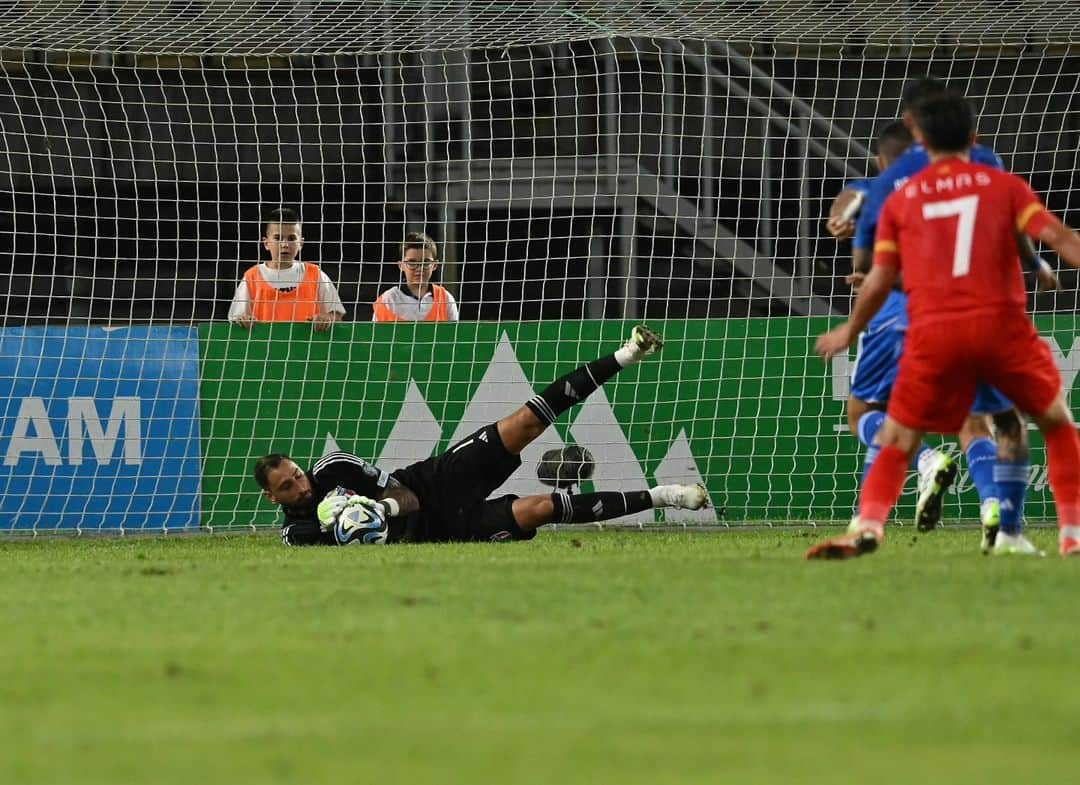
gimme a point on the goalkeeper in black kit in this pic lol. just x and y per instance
(344, 499)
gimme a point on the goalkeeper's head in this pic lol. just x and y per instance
(283, 482)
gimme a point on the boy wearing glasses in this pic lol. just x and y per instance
(417, 299)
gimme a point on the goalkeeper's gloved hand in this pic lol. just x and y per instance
(337, 500)
(331, 506)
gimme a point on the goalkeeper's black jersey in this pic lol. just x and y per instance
(340, 469)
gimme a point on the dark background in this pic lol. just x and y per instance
(135, 193)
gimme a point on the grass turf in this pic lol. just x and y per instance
(599, 657)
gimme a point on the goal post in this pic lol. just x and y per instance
(581, 166)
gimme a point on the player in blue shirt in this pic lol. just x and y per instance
(881, 344)
(999, 471)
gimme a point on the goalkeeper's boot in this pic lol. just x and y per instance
(1069, 540)
(990, 518)
(1015, 545)
(681, 497)
(643, 342)
(849, 546)
(934, 481)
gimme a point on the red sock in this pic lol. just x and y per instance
(1063, 457)
(883, 484)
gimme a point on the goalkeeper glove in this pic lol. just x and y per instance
(331, 506)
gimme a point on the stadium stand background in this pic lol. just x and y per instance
(140, 149)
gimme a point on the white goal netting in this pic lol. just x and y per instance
(580, 166)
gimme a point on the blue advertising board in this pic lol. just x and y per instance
(99, 428)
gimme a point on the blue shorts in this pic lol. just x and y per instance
(878, 361)
(988, 400)
(876, 364)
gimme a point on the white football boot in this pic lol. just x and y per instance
(641, 344)
(681, 497)
(1015, 545)
(936, 476)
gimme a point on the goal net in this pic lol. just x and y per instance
(580, 166)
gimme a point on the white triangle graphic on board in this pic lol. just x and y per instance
(617, 468)
(679, 466)
(415, 435)
(503, 389)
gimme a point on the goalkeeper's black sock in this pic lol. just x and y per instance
(573, 388)
(601, 506)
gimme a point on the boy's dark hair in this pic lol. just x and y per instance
(420, 241)
(946, 121)
(265, 464)
(893, 139)
(281, 215)
(918, 90)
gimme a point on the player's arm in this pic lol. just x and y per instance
(862, 253)
(1062, 239)
(873, 292)
(1046, 279)
(306, 533)
(842, 213)
(1034, 220)
(347, 471)
(407, 502)
(861, 261)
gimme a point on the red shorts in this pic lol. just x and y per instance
(944, 360)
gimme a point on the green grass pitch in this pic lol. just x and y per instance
(596, 657)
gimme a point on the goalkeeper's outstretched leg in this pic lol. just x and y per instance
(519, 429)
(532, 512)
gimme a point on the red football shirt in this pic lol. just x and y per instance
(951, 231)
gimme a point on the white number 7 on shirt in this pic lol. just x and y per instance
(965, 207)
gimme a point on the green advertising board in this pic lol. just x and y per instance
(740, 404)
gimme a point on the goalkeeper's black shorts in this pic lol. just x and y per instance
(453, 490)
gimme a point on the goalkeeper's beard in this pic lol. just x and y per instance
(305, 507)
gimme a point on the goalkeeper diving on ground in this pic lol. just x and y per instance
(344, 499)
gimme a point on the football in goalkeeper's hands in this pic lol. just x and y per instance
(361, 522)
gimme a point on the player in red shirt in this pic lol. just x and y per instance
(952, 232)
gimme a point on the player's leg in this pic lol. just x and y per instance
(933, 392)
(531, 512)
(1024, 370)
(473, 468)
(1063, 457)
(880, 492)
(1011, 471)
(872, 380)
(527, 423)
(517, 518)
(936, 470)
(977, 441)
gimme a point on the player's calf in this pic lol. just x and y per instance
(605, 505)
(573, 388)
